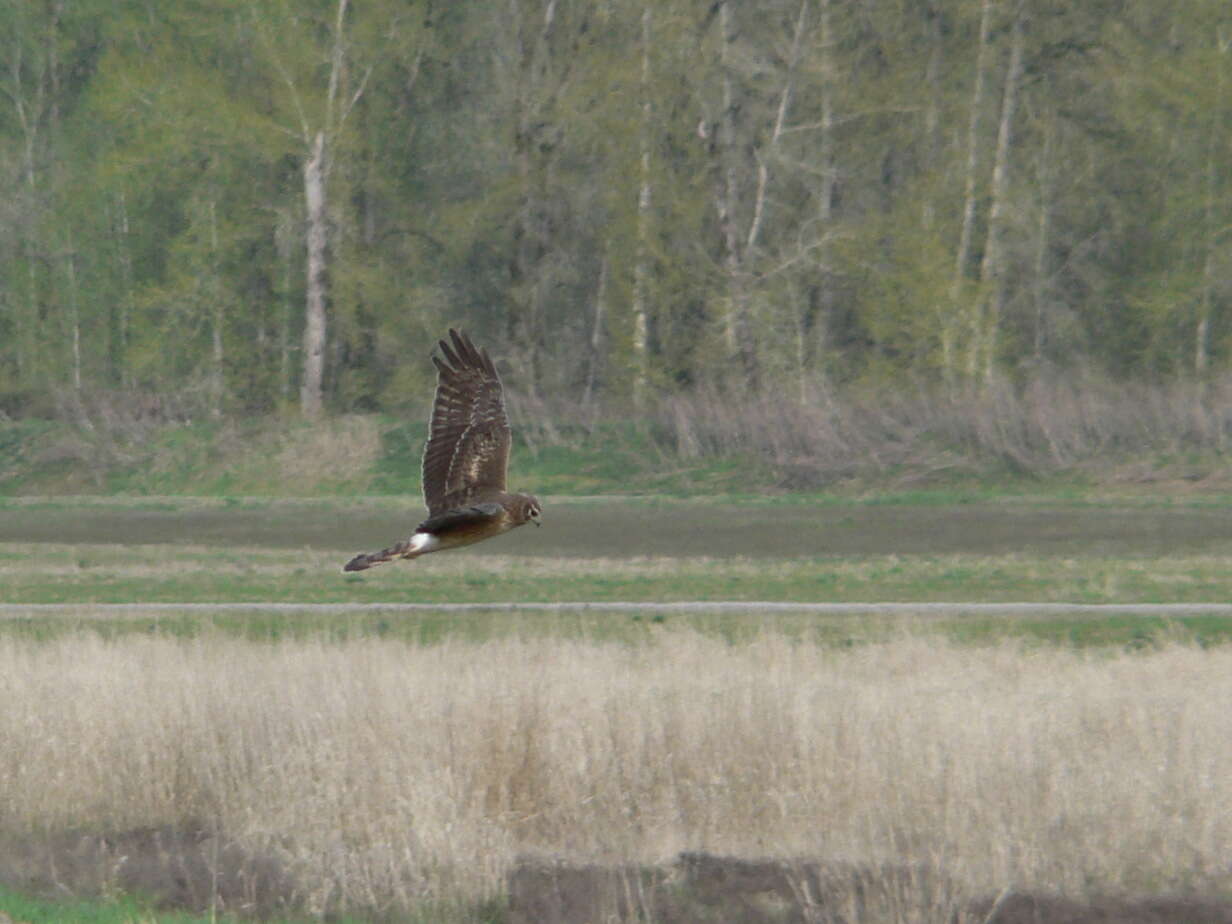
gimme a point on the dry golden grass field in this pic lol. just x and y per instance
(377, 777)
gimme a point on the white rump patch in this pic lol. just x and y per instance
(424, 542)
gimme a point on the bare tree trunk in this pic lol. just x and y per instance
(316, 177)
(285, 237)
(801, 360)
(641, 267)
(214, 290)
(126, 303)
(27, 356)
(284, 351)
(526, 269)
(829, 182)
(962, 256)
(1041, 286)
(735, 319)
(29, 105)
(320, 142)
(52, 78)
(55, 9)
(74, 316)
(310, 393)
(539, 79)
(1202, 330)
(596, 337)
(992, 269)
(825, 143)
(780, 121)
(932, 110)
(740, 248)
(216, 376)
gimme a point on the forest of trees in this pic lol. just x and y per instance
(248, 206)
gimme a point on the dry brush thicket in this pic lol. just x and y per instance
(1048, 424)
(376, 775)
(799, 438)
(1041, 425)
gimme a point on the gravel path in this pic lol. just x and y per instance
(10, 610)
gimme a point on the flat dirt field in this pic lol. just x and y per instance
(306, 752)
(603, 527)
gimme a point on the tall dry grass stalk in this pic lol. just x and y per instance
(383, 775)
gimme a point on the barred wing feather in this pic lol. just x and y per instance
(467, 454)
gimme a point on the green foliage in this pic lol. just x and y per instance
(346, 455)
(487, 163)
(115, 910)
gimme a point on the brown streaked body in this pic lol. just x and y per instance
(464, 461)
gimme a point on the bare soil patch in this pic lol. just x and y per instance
(195, 871)
(622, 529)
(700, 887)
(186, 869)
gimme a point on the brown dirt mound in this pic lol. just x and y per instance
(701, 887)
(1034, 909)
(197, 871)
(172, 868)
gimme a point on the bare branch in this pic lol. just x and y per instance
(305, 134)
(355, 97)
(335, 69)
(763, 172)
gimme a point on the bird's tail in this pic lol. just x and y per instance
(367, 560)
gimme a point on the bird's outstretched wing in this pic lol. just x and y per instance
(468, 441)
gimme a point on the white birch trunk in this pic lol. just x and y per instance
(284, 245)
(311, 394)
(596, 337)
(29, 112)
(1202, 330)
(932, 114)
(780, 121)
(728, 195)
(992, 268)
(1040, 285)
(829, 179)
(320, 144)
(215, 296)
(70, 260)
(126, 303)
(962, 256)
(641, 267)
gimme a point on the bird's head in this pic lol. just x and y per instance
(530, 510)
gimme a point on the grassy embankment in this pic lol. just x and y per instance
(347, 456)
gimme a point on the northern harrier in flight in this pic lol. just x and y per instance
(464, 461)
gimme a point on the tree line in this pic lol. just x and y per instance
(243, 206)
